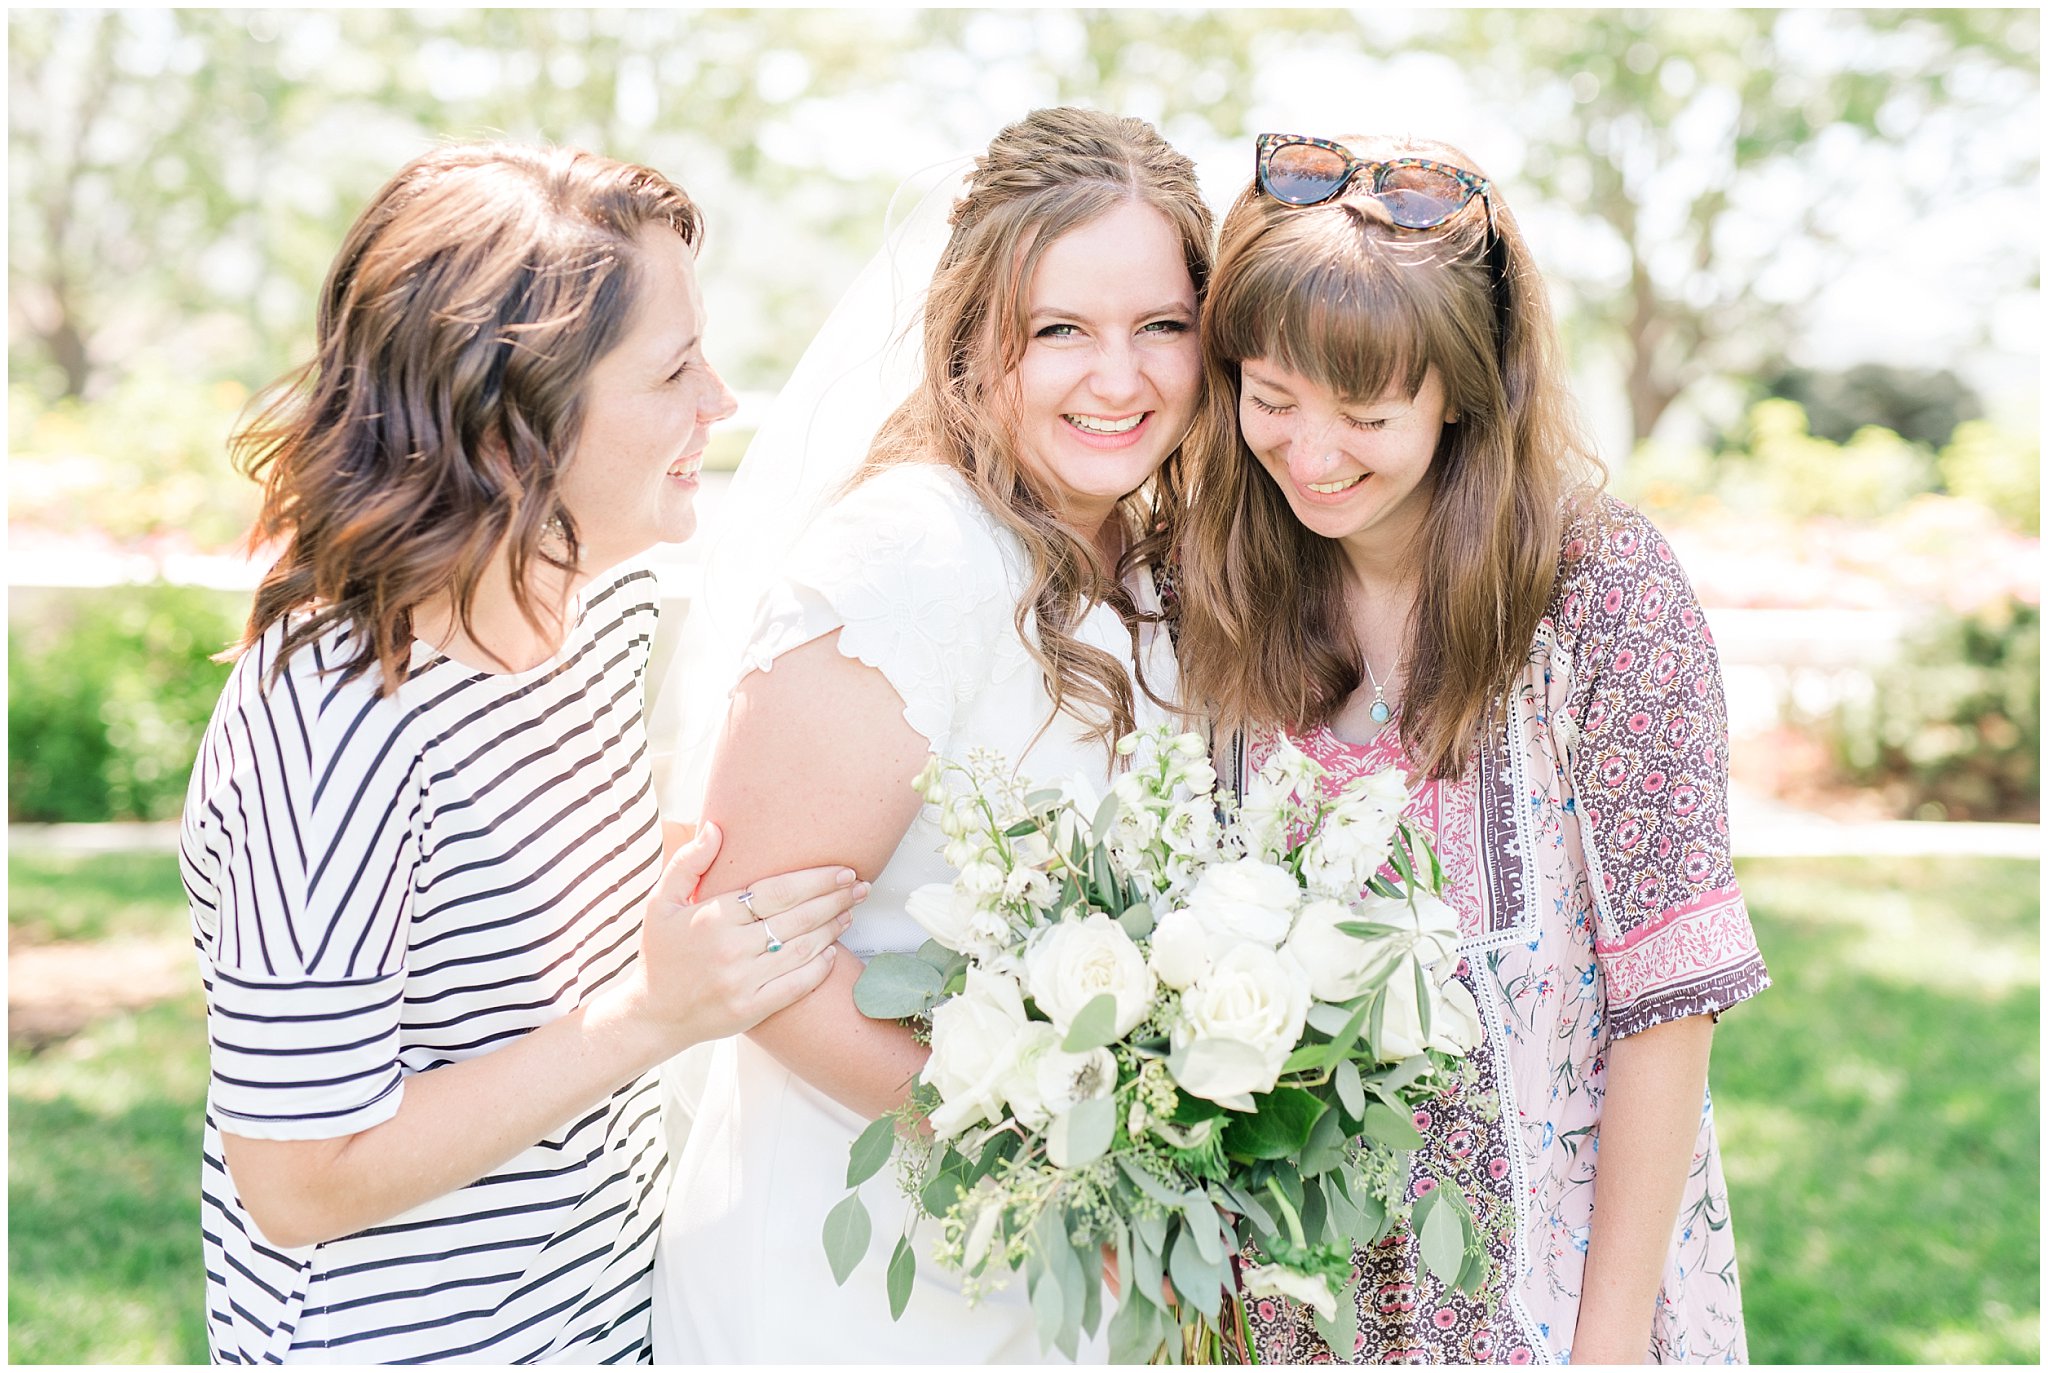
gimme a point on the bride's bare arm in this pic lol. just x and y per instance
(815, 767)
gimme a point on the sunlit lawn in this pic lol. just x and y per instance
(1879, 1112)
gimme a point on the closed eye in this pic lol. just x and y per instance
(1263, 408)
(1367, 425)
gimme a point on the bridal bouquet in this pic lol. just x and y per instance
(1185, 1038)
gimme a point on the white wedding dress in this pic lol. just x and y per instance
(922, 583)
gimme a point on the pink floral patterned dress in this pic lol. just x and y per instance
(1586, 854)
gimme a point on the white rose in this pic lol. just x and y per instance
(1239, 1024)
(1454, 1017)
(1248, 900)
(1075, 961)
(1271, 1280)
(1339, 965)
(1180, 949)
(974, 1039)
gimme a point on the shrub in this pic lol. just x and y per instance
(108, 692)
(1952, 728)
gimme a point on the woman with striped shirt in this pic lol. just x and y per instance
(442, 955)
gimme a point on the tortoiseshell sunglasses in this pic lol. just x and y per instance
(1418, 193)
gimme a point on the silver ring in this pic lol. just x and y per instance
(746, 898)
(774, 944)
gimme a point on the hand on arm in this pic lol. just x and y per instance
(703, 973)
(1649, 1122)
(815, 766)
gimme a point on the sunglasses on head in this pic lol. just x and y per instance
(1418, 193)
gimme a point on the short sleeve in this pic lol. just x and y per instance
(919, 580)
(299, 855)
(1649, 774)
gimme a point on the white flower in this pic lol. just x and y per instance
(981, 878)
(1030, 886)
(1239, 1024)
(1339, 965)
(1271, 1280)
(1247, 900)
(974, 1039)
(1065, 1079)
(1020, 1084)
(1180, 949)
(1263, 817)
(1075, 961)
(1434, 922)
(1454, 1017)
(1349, 847)
(1190, 827)
(945, 913)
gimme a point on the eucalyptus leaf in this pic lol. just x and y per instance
(1251, 1208)
(1093, 1026)
(895, 985)
(1443, 1244)
(1329, 1016)
(1341, 1331)
(847, 1229)
(1196, 1281)
(946, 960)
(1343, 1223)
(1315, 1212)
(1137, 920)
(871, 1149)
(1350, 1091)
(1042, 799)
(1148, 1184)
(1148, 1265)
(1105, 816)
(1202, 1227)
(1083, 1134)
(1135, 1331)
(902, 1273)
(943, 1188)
(1326, 1146)
(1373, 1220)
(1048, 1305)
(1389, 1126)
(1091, 1289)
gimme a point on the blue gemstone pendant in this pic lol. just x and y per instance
(1381, 712)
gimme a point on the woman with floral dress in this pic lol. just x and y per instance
(1408, 562)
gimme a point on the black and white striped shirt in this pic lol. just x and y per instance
(384, 885)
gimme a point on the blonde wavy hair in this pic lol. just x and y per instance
(1043, 177)
(1338, 294)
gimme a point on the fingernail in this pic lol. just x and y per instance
(846, 876)
(860, 893)
(845, 919)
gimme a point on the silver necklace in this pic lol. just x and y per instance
(1381, 712)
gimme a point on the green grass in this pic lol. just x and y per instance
(103, 1193)
(54, 896)
(1879, 1110)
(1879, 1113)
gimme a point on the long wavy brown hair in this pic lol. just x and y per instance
(457, 330)
(1338, 294)
(1043, 177)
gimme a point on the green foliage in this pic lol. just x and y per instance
(1774, 465)
(1997, 468)
(146, 463)
(108, 693)
(1919, 406)
(62, 896)
(1879, 1112)
(1954, 722)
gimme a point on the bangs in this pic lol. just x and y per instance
(1322, 300)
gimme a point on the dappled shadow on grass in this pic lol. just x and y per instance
(52, 896)
(1879, 1113)
(103, 1193)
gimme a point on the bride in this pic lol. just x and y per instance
(981, 581)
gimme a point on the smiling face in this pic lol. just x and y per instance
(1107, 385)
(648, 410)
(1358, 472)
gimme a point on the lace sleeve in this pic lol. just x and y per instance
(920, 583)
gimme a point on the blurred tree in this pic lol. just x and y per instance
(1714, 150)
(1916, 404)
